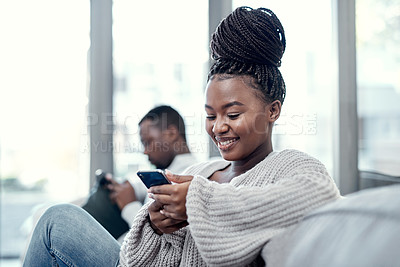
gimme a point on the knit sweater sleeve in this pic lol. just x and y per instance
(231, 224)
(143, 247)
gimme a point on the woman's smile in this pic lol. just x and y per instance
(237, 119)
(226, 143)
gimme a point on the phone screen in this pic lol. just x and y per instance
(153, 178)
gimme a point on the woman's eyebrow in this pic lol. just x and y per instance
(208, 107)
(230, 104)
(234, 103)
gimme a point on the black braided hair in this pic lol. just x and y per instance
(251, 42)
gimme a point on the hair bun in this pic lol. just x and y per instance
(247, 35)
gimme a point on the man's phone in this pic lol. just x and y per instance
(153, 178)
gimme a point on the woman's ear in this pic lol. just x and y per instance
(274, 110)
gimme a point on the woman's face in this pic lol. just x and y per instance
(237, 119)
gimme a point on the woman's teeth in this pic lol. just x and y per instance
(224, 145)
(226, 142)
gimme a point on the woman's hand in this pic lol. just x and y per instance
(161, 223)
(172, 198)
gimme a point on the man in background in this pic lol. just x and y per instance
(163, 135)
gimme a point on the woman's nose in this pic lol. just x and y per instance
(220, 126)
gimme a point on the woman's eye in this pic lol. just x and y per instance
(210, 117)
(233, 116)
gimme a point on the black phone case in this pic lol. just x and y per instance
(153, 178)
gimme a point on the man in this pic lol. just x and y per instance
(162, 133)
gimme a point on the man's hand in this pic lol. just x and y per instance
(122, 194)
(172, 198)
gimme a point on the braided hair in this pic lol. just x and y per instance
(251, 42)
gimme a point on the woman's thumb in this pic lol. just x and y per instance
(178, 178)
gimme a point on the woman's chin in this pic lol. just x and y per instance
(229, 155)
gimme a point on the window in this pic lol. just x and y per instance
(378, 79)
(160, 57)
(42, 110)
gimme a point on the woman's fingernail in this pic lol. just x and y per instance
(168, 172)
(162, 212)
(151, 195)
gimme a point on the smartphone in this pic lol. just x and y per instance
(153, 178)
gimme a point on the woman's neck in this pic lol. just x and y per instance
(241, 166)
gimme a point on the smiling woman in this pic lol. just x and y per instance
(236, 205)
(238, 120)
(220, 213)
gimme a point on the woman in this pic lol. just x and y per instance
(223, 212)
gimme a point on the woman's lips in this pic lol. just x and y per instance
(226, 143)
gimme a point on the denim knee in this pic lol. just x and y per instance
(61, 213)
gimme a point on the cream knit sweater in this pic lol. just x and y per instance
(230, 223)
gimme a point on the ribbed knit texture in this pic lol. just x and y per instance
(230, 223)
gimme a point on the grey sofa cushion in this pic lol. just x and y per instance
(363, 229)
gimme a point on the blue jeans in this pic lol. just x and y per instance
(66, 235)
